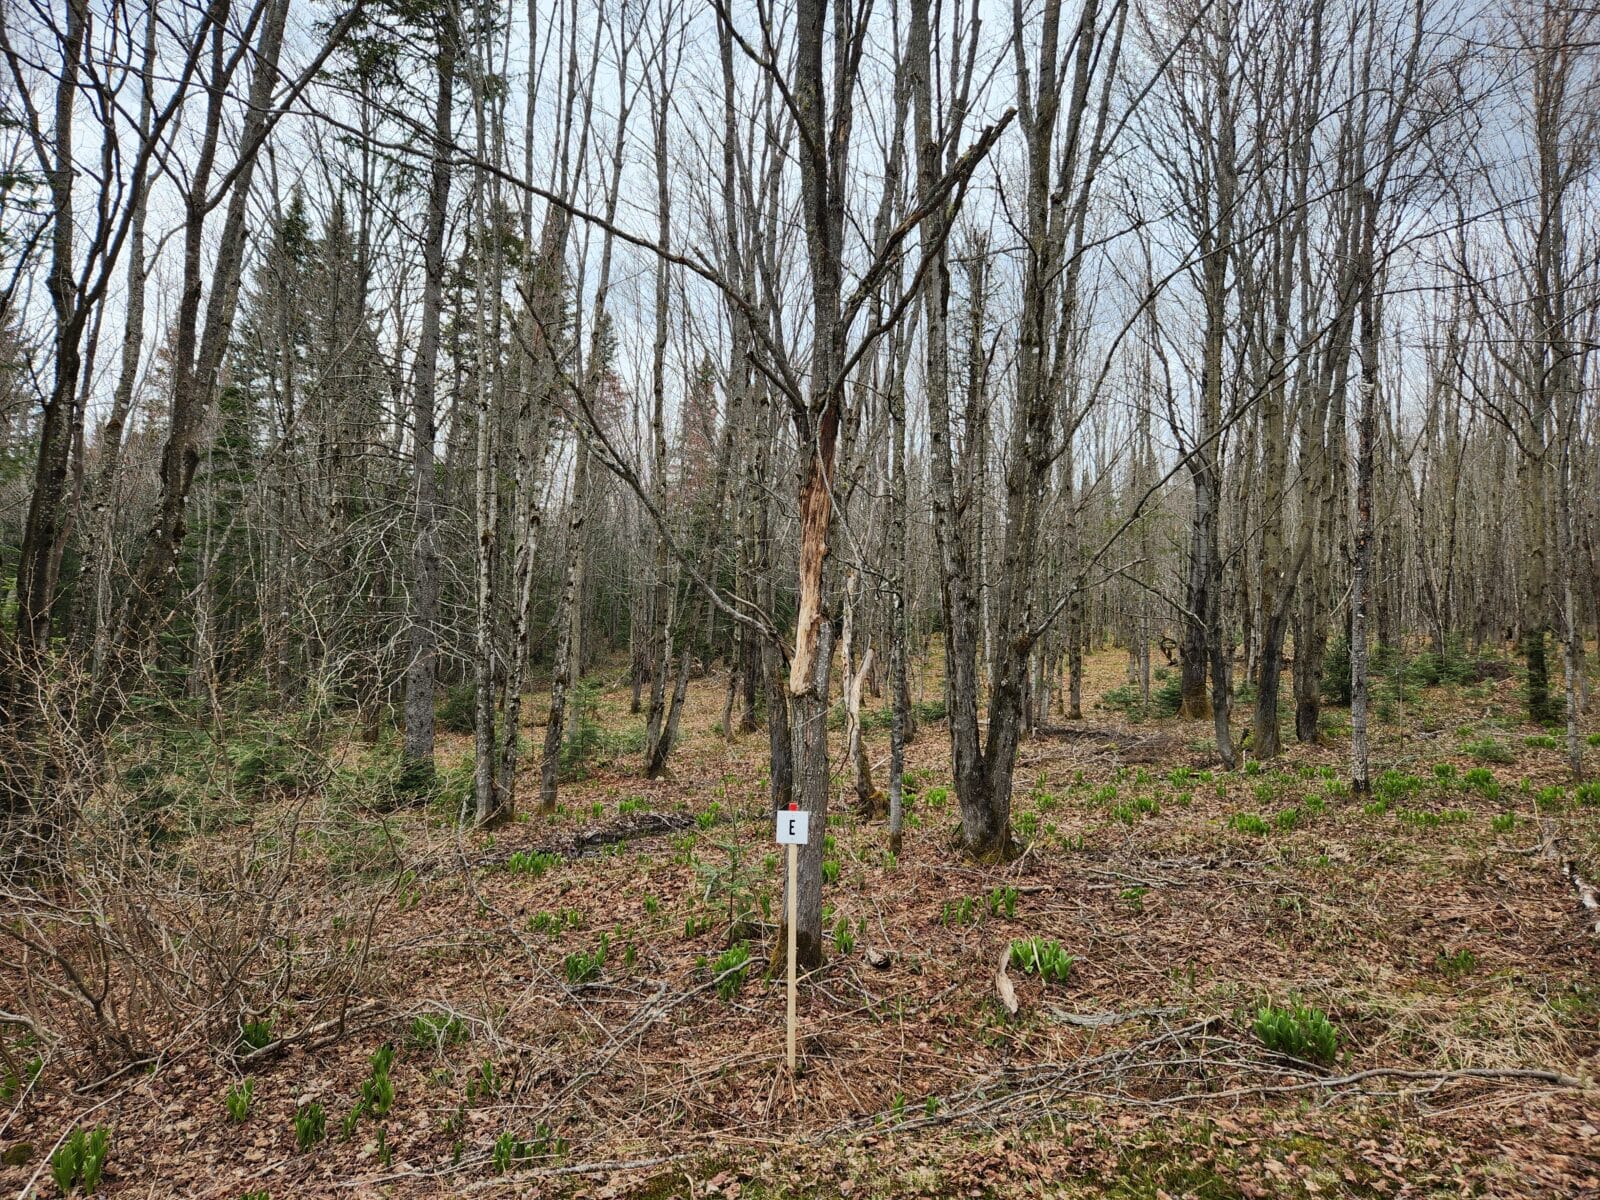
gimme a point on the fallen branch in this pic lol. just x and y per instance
(1527, 1074)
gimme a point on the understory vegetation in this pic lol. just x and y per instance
(383, 1000)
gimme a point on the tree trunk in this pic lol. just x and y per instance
(423, 648)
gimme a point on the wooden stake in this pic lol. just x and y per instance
(794, 905)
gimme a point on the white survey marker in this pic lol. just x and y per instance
(794, 827)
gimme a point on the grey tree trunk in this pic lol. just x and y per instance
(423, 640)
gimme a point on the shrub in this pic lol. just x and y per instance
(1129, 699)
(458, 710)
(584, 737)
(1298, 1032)
(1336, 672)
(1168, 698)
(1125, 699)
(1488, 749)
(264, 760)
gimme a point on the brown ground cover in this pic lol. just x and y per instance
(1449, 953)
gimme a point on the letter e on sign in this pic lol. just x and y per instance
(794, 827)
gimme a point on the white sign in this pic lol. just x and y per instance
(794, 827)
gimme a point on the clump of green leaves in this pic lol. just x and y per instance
(844, 938)
(510, 1151)
(730, 968)
(1129, 811)
(830, 870)
(1046, 959)
(553, 923)
(435, 1031)
(14, 1079)
(581, 966)
(81, 1160)
(485, 1083)
(377, 1089)
(255, 1034)
(1504, 823)
(1003, 902)
(310, 1125)
(956, 913)
(1542, 741)
(1394, 786)
(531, 862)
(695, 924)
(1297, 1031)
(238, 1099)
(1456, 963)
(1252, 823)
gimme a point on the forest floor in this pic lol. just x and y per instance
(567, 1021)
